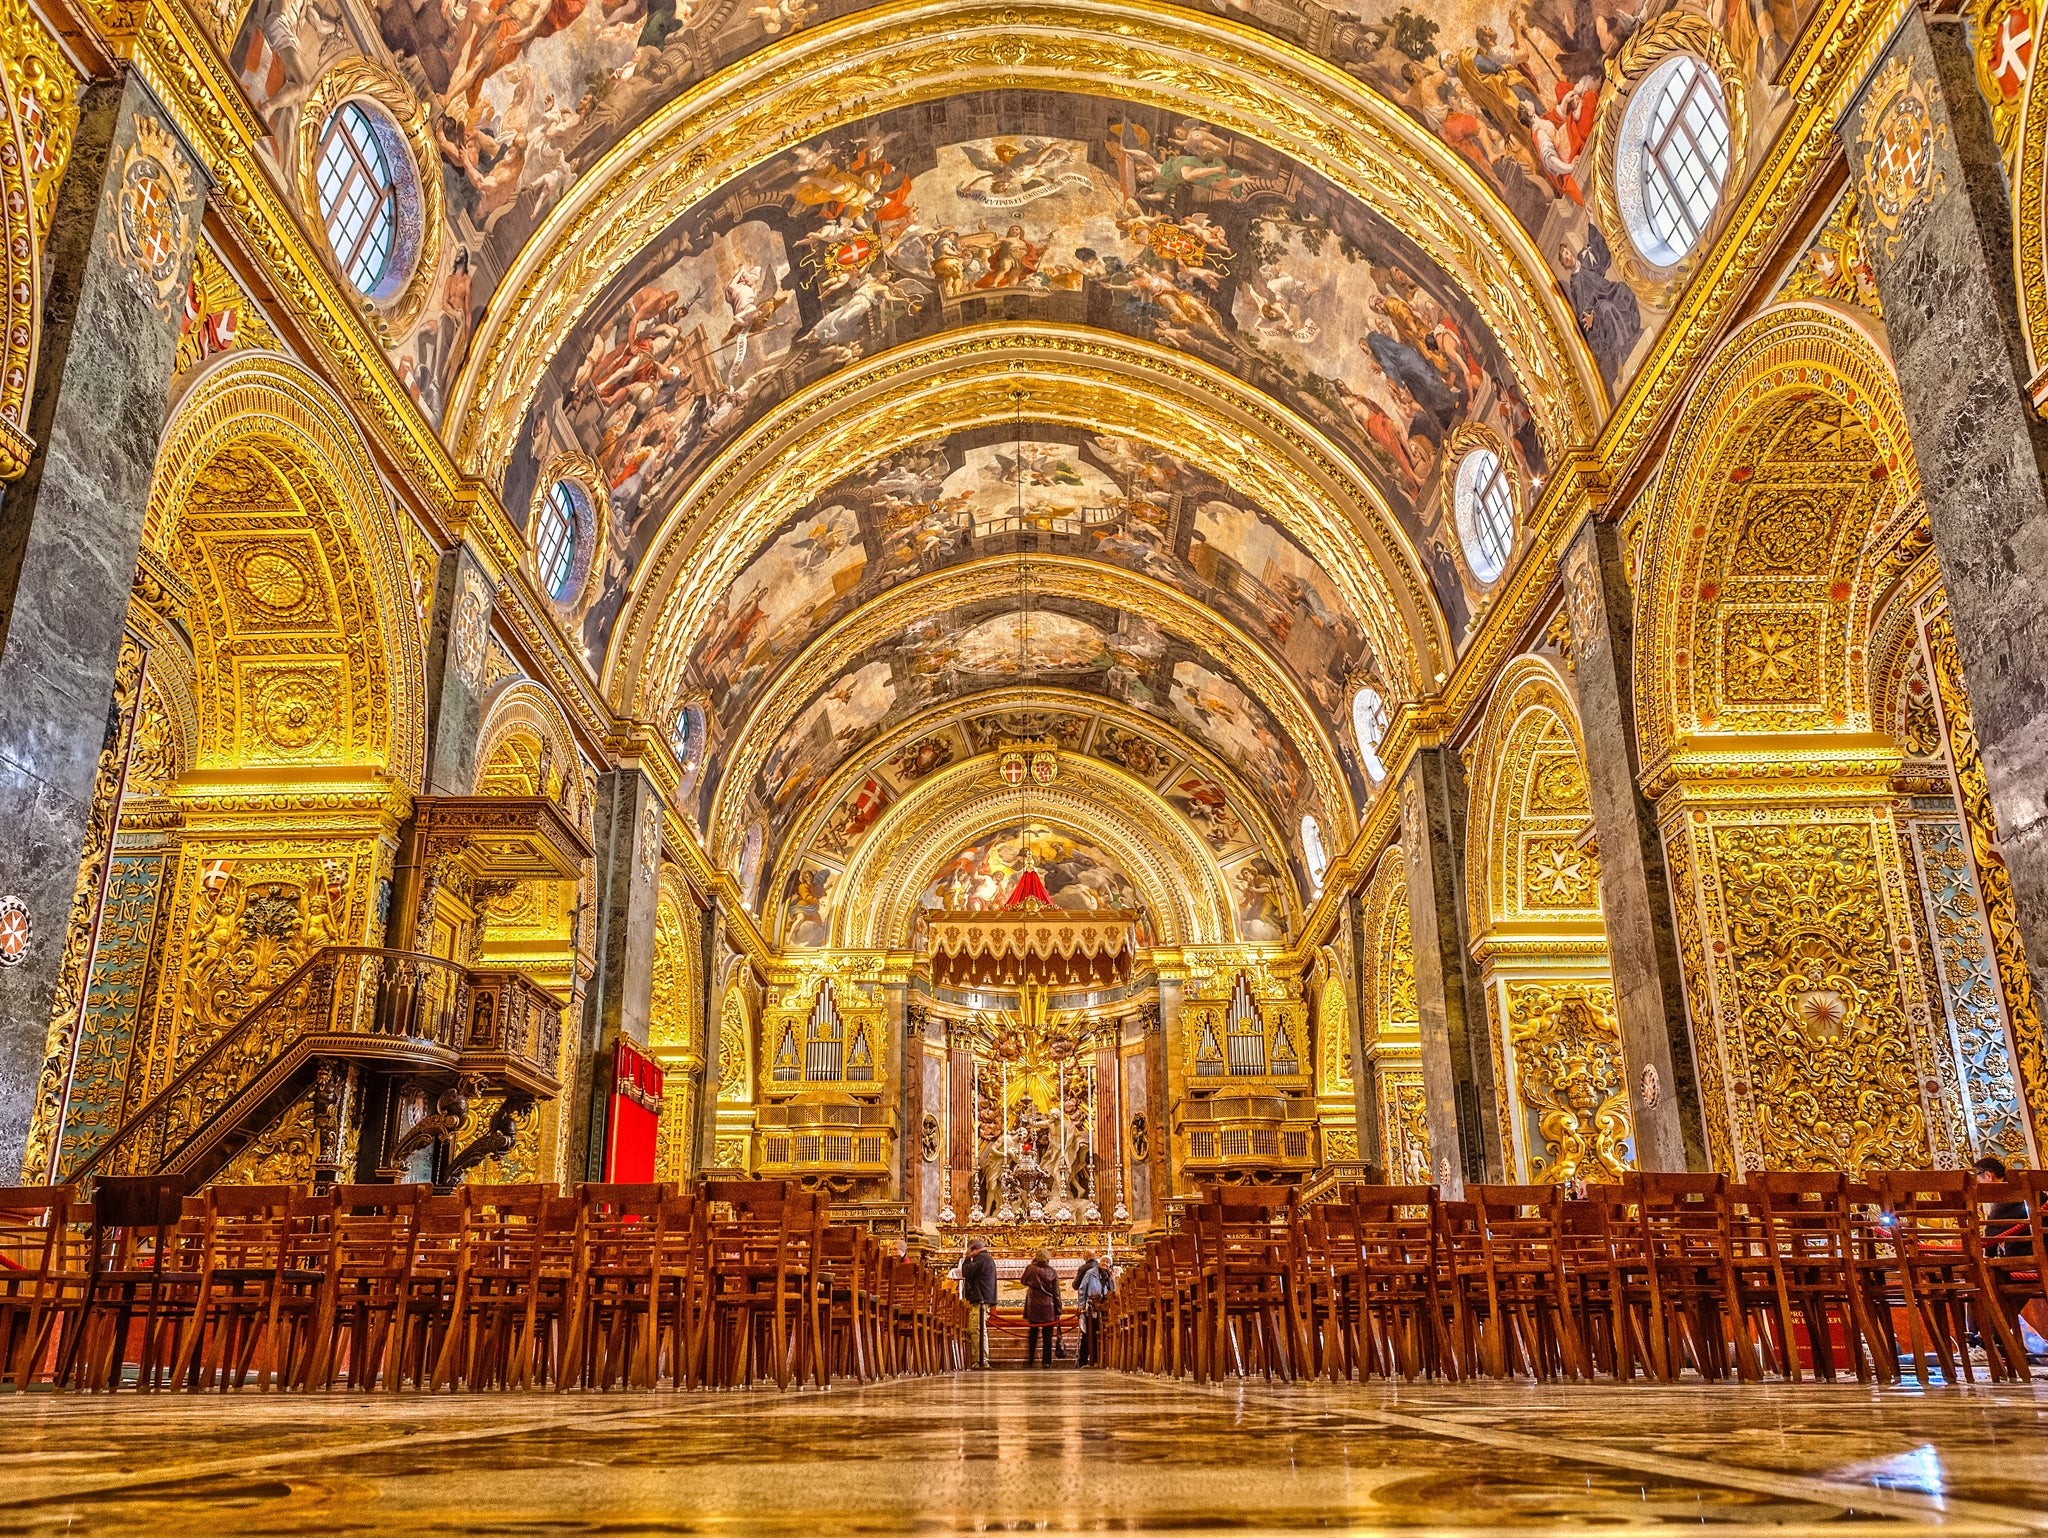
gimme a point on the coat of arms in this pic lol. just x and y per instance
(151, 232)
(1900, 137)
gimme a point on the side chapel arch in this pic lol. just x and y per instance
(1533, 886)
(1811, 1021)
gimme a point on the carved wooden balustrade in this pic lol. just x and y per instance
(1267, 1133)
(395, 1010)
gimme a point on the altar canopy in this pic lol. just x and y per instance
(1028, 940)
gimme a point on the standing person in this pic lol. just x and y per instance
(978, 1292)
(1041, 1307)
(1092, 1283)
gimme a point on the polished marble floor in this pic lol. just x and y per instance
(1049, 1452)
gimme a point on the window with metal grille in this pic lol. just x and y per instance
(1485, 506)
(1678, 123)
(554, 540)
(358, 197)
(1314, 853)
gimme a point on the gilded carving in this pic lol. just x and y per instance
(1835, 265)
(1572, 1081)
(1994, 881)
(43, 89)
(1820, 976)
(150, 233)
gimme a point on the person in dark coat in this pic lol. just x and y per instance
(978, 1292)
(1041, 1308)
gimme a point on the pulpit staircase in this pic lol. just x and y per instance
(393, 1014)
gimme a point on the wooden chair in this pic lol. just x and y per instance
(375, 1227)
(266, 1253)
(1245, 1252)
(494, 1335)
(428, 1289)
(1598, 1235)
(42, 1277)
(1529, 1317)
(2016, 1244)
(1695, 1312)
(141, 1278)
(1937, 1248)
(612, 1328)
(1402, 1327)
(1813, 1275)
(761, 1267)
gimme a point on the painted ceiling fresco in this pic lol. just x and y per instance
(1078, 878)
(525, 98)
(1042, 489)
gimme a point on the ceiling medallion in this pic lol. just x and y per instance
(15, 932)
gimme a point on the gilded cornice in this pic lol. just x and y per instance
(796, 845)
(840, 72)
(955, 806)
(1046, 576)
(987, 375)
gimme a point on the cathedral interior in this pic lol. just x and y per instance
(1165, 632)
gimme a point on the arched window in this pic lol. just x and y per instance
(562, 512)
(360, 192)
(1676, 131)
(1313, 853)
(1485, 507)
(1369, 722)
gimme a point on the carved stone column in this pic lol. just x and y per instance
(627, 823)
(1938, 226)
(1635, 889)
(1458, 1085)
(461, 634)
(704, 1137)
(115, 267)
(894, 1058)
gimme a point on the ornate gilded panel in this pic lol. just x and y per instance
(1978, 1070)
(1564, 1048)
(1825, 1032)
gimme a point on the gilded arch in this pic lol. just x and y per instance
(303, 622)
(1044, 577)
(980, 376)
(1173, 869)
(1532, 883)
(1758, 596)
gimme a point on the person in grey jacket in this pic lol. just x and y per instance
(1092, 1283)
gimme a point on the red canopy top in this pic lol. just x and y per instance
(1030, 887)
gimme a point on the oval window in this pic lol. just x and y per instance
(1312, 851)
(564, 512)
(1675, 133)
(369, 198)
(1485, 507)
(1369, 721)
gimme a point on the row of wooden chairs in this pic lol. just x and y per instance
(715, 1283)
(1657, 1275)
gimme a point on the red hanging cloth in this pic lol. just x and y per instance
(1030, 887)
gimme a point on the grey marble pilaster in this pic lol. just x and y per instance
(626, 820)
(1457, 1052)
(456, 644)
(1635, 890)
(711, 958)
(908, 1095)
(114, 272)
(1365, 1073)
(1940, 240)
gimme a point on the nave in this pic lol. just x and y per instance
(1049, 1452)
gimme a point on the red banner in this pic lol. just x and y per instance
(629, 1136)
